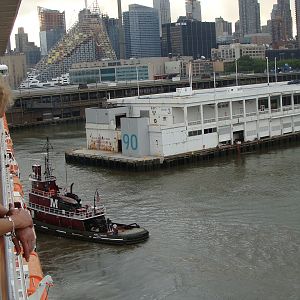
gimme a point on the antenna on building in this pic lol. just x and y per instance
(236, 73)
(191, 75)
(268, 75)
(86, 5)
(215, 81)
(275, 69)
(137, 80)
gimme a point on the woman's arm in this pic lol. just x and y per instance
(3, 211)
(19, 219)
(6, 226)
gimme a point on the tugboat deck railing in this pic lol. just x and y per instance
(85, 213)
(41, 193)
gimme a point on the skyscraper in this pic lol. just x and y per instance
(164, 12)
(193, 9)
(281, 23)
(21, 39)
(297, 4)
(249, 17)
(189, 38)
(142, 37)
(31, 51)
(52, 28)
(112, 28)
(223, 27)
(282, 11)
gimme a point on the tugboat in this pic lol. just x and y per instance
(61, 213)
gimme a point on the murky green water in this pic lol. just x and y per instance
(225, 229)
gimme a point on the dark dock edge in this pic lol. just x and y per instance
(180, 159)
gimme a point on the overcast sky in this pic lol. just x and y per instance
(228, 9)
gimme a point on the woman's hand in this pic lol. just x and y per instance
(21, 217)
(25, 236)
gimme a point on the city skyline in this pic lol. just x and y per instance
(228, 9)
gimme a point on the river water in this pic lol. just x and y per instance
(223, 229)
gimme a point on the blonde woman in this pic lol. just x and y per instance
(16, 222)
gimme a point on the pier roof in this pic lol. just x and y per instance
(212, 95)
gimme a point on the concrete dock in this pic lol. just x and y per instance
(110, 160)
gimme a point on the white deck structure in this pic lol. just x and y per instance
(185, 121)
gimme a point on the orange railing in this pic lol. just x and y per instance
(14, 271)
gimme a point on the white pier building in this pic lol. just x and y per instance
(186, 121)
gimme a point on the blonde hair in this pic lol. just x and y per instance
(6, 100)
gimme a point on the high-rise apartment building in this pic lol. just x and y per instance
(86, 41)
(274, 12)
(52, 28)
(285, 11)
(281, 19)
(31, 51)
(112, 28)
(223, 27)
(142, 36)
(193, 9)
(249, 11)
(297, 4)
(164, 12)
(189, 38)
(21, 39)
(281, 23)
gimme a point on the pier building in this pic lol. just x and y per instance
(185, 121)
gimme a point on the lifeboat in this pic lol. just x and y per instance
(36, 276)
(18, 186)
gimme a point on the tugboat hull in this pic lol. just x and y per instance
(126, 237)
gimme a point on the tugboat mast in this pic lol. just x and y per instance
(48, 169)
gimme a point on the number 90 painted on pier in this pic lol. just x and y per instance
(130, 141)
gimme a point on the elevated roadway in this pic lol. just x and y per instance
(40, 105)
(8, 13)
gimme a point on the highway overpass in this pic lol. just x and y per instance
(8, 14)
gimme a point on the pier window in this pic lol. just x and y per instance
(286, 100)
(275, 102)
(195, 132)
(178, 115)
(220, 105)
(263, 104)
(297, 99)
(210, 130)
(194, 115)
